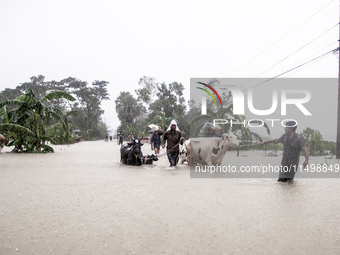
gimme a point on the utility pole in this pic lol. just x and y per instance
(338, 117)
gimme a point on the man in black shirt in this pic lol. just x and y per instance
(292, 145)
(173, 138)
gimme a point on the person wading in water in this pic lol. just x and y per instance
(292, 145)
(173, 137)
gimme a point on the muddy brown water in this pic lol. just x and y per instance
(81, 200)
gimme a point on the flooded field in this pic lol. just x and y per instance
(81, 200)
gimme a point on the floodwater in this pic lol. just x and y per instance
(81, 200)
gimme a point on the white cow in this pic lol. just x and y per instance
(184, 152)
(210, 150)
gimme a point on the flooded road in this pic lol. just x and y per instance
(81, 200)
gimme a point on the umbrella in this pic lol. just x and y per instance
(76, 130)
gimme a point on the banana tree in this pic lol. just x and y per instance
(12, 131)
(61, 132)
(33, 116)
(243, 131)
(63, 129)
(160, 120)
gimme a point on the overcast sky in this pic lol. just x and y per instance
(121, 41)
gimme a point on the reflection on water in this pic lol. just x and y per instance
(81, 200)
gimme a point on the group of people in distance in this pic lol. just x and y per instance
(108, 138)
(120, 138)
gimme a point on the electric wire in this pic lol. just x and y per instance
(256, 56)
(291, 54)
(296, 67)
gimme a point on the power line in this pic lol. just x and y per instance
(298, 64)
(319, 50)
(315, 54)
(279, 39)
(292, 69)
(296, 51)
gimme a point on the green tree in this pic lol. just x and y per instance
(9, 94)
(89, 101)
(148, 90)
(169, 100)
(329, 147)
(127, 107)
(87, 106)
(162, 102)
(313, 140)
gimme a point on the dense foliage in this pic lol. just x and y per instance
(153, 103)
(42, 111)
(315, 143)
(160, 103)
